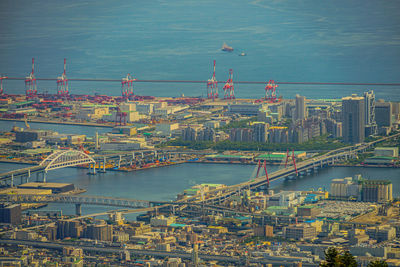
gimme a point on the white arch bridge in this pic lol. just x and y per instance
(58, 159)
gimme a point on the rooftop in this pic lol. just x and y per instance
(379, 182)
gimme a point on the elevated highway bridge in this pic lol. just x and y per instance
(303, 167)
(79, 200)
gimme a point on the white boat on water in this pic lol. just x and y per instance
(226, 47)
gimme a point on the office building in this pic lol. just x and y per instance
(206, 134)
(383, 114)
(308, 211)
(10, 214)
(31, 135)
(241, 135)
(69, 228)
(369, 114)
(381, 232)
(101, 232)
(300, 232)
(190, 133)
(260, 133)
(334, 128)
(130, 109)
(263, 230)
(245, 109)
(51, 232)
(300, 112)
(353, 119)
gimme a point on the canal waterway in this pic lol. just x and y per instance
(90, 131)
(165, 183)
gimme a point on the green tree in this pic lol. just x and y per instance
(378, 263)
(331, 258)
(347, 260)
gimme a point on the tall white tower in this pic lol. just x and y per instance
(369, 113)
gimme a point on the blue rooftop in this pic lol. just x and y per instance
(177, 225)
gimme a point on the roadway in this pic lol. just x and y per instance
(146, 252)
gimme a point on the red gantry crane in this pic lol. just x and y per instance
(30, 83)
(212, 86)
(270, 91)
(127, 87)
(62, 82)
(229, 92)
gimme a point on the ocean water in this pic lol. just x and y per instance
(287, 41)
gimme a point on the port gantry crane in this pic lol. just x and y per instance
(30, 83)
(270, 91)
(1, 83)
(212, 86)
(62, 82)
(127, 87)
(229, 92)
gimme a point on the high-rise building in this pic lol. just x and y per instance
(333, 127)
(206, 134)
(353, 119)
(195, 255)
(51, 232)
(383, 113)
(10, 214)
(369, 114)
(101, 232)
(300, 111)
(260, 133)
(241, 135)
(189, 134)
(69, 228)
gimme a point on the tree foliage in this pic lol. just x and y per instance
(237, 124)
(317, 144)
(333, 258)
(378, 263)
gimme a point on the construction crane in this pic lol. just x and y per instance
(1, 83)
(229, 92)
(212, 86)
(127, 87)
(30, 83)
(62, 83)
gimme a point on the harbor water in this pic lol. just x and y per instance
(165, 183)
(286, 41)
